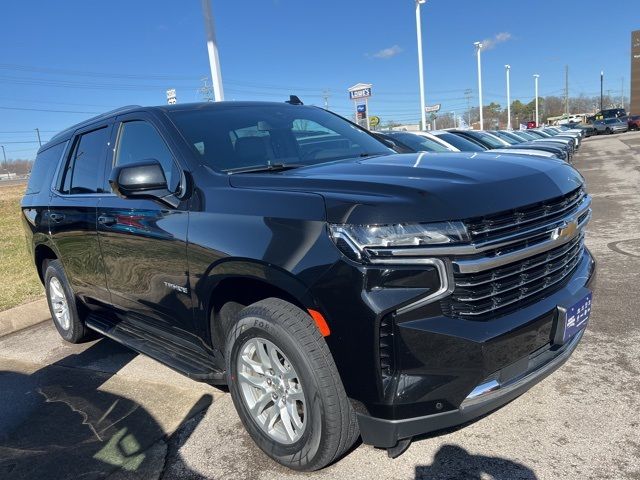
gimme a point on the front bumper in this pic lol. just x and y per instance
(485, 398)
(449, 374)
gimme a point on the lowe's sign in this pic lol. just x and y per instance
(360, 93)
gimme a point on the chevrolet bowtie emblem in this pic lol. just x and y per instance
(565, 231)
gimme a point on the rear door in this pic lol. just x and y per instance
(143, 242)
(73, 211)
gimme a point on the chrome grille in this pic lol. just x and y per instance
(514, 221)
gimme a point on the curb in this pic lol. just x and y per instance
(23, 316)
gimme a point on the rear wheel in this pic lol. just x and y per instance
(286, 388)
(62, 303)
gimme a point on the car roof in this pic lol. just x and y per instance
(68, 132)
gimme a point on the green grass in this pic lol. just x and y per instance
(19, 282)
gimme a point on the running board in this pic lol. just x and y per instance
(193, 361)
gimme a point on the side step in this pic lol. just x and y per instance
(192, 360)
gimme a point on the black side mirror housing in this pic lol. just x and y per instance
(143, 179)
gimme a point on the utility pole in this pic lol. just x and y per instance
(467, 94)
(508, 69)
(566, 91)
(601, 88)
(212, 47)
(4, 154)
(622, 92)
(535, 79)
(326, 94)
(478, 46)
(38, 133)
(453, 115)
(423, 114)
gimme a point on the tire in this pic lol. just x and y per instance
(62, 304)
(608, 131)
(326, 425)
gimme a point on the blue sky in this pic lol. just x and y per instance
(76, 58)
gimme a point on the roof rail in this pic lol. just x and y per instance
(93, 119)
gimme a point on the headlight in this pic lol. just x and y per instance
(357, 238)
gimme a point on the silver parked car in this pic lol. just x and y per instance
(610, 125)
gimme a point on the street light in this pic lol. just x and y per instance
(508, 68)
(423, 114)
(535, 78)
(212, 47)
(478, 46)
(601, 87)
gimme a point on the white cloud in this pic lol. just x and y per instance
(388, 52)
(490, 43)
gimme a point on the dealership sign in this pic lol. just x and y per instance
(432, 108)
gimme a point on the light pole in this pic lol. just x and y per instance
(508, 68)
(212, 47)
(423, 114)
(478, 46)
(601, 87)
(535, 79)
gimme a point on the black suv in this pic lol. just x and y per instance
(337, 288)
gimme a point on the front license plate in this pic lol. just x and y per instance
(575, 317)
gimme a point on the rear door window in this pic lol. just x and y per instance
(83, 172)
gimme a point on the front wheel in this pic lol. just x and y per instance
(286, 388)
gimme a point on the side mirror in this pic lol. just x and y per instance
(143, 179)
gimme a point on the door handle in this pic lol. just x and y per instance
(56, 217)
(107, 220)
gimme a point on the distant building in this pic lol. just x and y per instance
(634, 108)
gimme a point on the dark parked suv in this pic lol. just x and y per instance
(337, 288)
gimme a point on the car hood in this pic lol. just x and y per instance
(422, 187)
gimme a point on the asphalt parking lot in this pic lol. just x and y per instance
(99, 410)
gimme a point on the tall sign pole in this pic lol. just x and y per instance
(535, 80)
(212, 47)
(601, 88)
(360, 94)
(423, 114)
(508, 68)
(478, 46)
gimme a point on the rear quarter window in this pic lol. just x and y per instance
(43, 168)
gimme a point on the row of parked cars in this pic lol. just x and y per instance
(559, 142)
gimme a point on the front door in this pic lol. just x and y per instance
(143, 242)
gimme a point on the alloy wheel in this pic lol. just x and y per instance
(59, 303)
(271, 390)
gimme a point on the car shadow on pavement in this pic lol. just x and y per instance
(454, 462)
(62, 422)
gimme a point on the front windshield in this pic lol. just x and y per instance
(506, 138)
(489, 140)
(527, 135)
(513, 136)
(460, 143)
(419, 143)
(236, 137)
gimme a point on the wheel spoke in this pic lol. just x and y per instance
(275, 360)
(287, 421)
(292, 410)
(262, 355)
(260, 404)
(296, 396)
(252, 365)
(273, 413)
(257, 382)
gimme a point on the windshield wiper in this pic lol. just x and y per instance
(271, 167)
